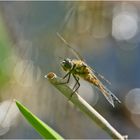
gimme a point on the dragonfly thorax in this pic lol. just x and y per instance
(67, 64)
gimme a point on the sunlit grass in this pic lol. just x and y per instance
(43, 129)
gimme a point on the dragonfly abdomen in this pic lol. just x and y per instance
(91, 79)
(107, 93)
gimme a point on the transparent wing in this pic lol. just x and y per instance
(100, 76)
(110, 97)
(80, 57)
(67, 17)
(106, 92)
(69, 46)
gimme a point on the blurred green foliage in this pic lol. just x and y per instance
(5, 52)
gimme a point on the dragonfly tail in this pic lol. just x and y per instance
(110, 96)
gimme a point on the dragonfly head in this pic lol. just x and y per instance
(67, 64)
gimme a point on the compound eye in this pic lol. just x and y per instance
(63, 62)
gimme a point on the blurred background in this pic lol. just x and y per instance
(106, 34)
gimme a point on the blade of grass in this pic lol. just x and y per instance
(43, 129)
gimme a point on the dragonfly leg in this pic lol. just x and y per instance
(77, 83)
(68, 74)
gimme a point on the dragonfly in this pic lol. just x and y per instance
(78, 68)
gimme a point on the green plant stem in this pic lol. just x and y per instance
(84, 106)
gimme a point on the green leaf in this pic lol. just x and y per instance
(43, 129)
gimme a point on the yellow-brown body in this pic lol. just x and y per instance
(80, 69)
(83, 71)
